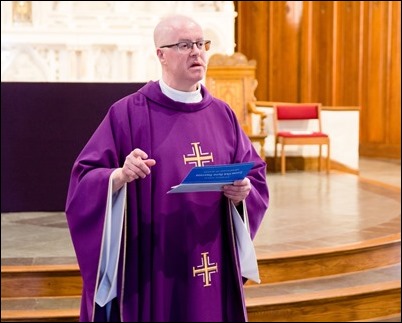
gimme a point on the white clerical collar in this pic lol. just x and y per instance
(180, 96)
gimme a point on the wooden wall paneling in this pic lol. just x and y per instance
(252, 39)
(340, 53)
(394, 86)
(322, 51)
(373, 116)
(306, 55)
(363, 93)
(283, 51)
(346, 67)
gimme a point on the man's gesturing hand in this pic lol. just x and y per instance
(137, 165)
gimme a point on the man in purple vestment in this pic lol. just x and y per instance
(146, 255)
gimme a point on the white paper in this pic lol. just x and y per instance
(212, 177)
(202, 187)
(245, 246)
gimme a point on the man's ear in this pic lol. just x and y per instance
(161, 55)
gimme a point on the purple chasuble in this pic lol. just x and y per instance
(178, 260)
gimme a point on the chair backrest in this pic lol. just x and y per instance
(297, 112)
(232, 79)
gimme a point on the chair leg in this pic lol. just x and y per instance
(328, 159)
(275, 154)
(262, 149)
(283, 160)
(320, 158)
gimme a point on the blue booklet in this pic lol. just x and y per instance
(212, 178)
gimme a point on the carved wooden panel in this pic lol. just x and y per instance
(232, 79)
(232, 92)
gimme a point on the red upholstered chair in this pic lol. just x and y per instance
(299, 124)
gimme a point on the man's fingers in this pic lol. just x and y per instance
(139, 153)
(150, 162)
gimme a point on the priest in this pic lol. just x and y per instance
(148, 255)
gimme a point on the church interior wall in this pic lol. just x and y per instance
(101, 41)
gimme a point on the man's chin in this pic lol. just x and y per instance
(197, 74)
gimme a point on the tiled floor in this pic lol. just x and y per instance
(307, 210)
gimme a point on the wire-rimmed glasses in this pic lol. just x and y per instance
(187, 45)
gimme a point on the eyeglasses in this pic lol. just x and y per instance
(186, 46)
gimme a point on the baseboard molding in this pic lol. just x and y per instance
(306, 164)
